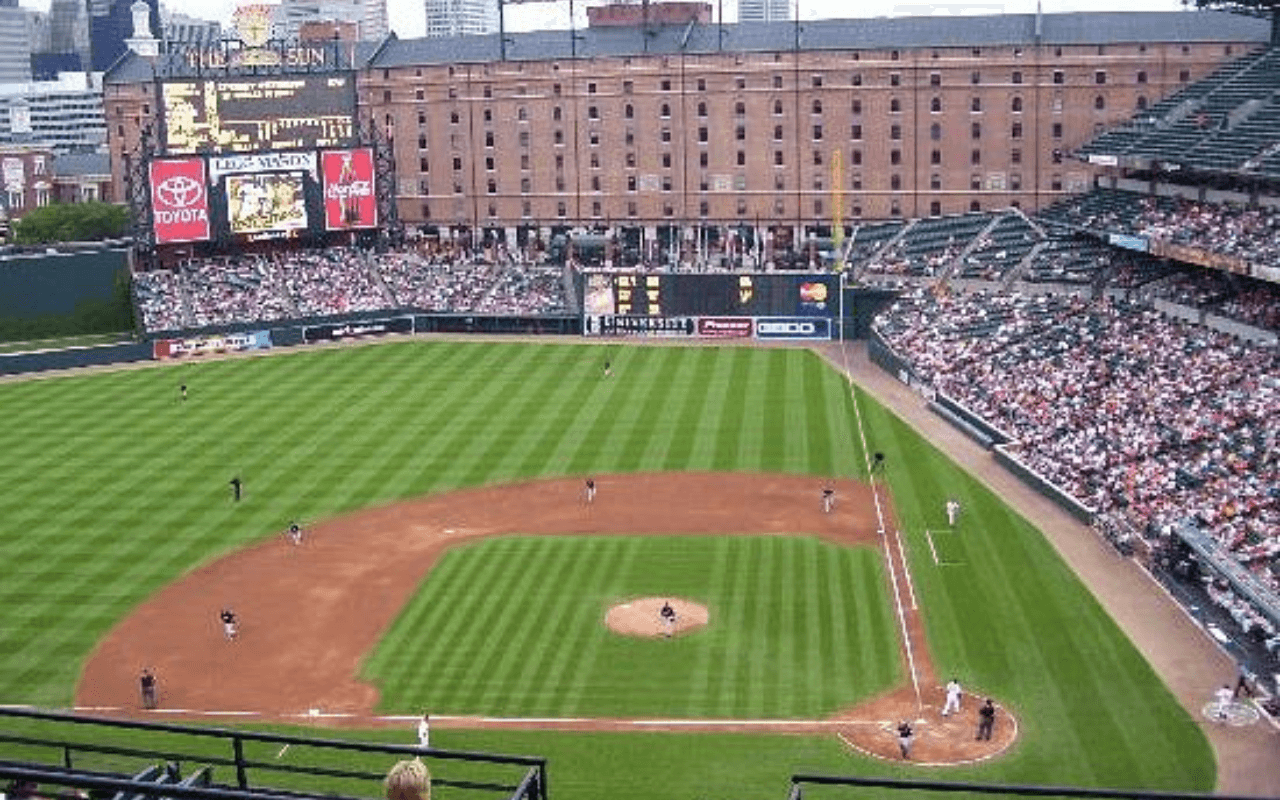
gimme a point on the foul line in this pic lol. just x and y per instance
(888, 555)
(932, 549)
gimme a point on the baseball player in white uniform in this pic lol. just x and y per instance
(953, 698)
(424, 731)
(828, 500)
(953, 511)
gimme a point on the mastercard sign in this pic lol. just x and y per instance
(813, 294)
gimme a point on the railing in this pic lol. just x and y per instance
(258, 758)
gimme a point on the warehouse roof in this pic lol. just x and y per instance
(845, 34)
(1108, 27)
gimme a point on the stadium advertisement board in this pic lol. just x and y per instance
(349, 201)
(354, 330)
(261, 162)
(726, 327)
(615, 325)
(265, 202)
(200, 345)
(179, 200)
(793, 328)
(1162, 248)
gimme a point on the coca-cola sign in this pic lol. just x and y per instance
(179, 200)
(349, 200)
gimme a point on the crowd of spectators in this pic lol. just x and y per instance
(1248, 233)
(336, 281)
(1126, 410)
(1255, 303)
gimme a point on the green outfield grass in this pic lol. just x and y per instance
(511, 627)
(113, 487)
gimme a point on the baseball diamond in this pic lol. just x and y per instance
(709, 464)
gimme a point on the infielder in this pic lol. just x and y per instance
(953, 511)
(668, 615)
(828, 500)
(148, 685)
(1224, 697)
(591, 489)
(953, 698)
(228, 618)
(294, 533)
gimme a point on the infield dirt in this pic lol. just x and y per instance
(310, 612)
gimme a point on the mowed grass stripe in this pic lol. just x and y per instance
(531, 655)
(535, 644)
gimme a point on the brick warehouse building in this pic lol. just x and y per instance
(702, 125)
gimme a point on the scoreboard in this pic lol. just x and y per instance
(711, 295)
(252, 114)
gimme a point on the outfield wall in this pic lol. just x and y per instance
(256, 336)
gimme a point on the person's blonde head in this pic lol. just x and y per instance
(409, 780)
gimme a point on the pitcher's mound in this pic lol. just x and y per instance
(643, 617)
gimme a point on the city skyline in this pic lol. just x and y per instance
(408, 19)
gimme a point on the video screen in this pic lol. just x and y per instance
(251, 114)
(265, 202)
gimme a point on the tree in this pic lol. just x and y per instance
(71, 222)
(1257, 8)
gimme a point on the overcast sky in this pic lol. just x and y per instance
(409, 20)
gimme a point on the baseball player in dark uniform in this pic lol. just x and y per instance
(183, 389)
(235, 487)
(229, 623)
(906, 737)
(608, 369)
(986, 720)
(147, 682)
(668, 615)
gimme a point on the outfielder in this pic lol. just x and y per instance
(953, 698)
(953, 511)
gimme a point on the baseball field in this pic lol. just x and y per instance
(116, 490)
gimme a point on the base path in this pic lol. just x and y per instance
(309, 613)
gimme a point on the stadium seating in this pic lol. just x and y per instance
(231, 291)
(1226, 122)
(1130, 411)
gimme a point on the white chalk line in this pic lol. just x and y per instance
(888, 555)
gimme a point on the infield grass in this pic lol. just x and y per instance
(113, 487)
(512, 627)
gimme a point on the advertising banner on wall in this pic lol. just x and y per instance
(200, 345)
(354, 330)
(179, 200)
(348, 189)
(612, 325)
(793, 328)
(725, 327)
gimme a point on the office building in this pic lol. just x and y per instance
(461, 17)
(764, 10)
